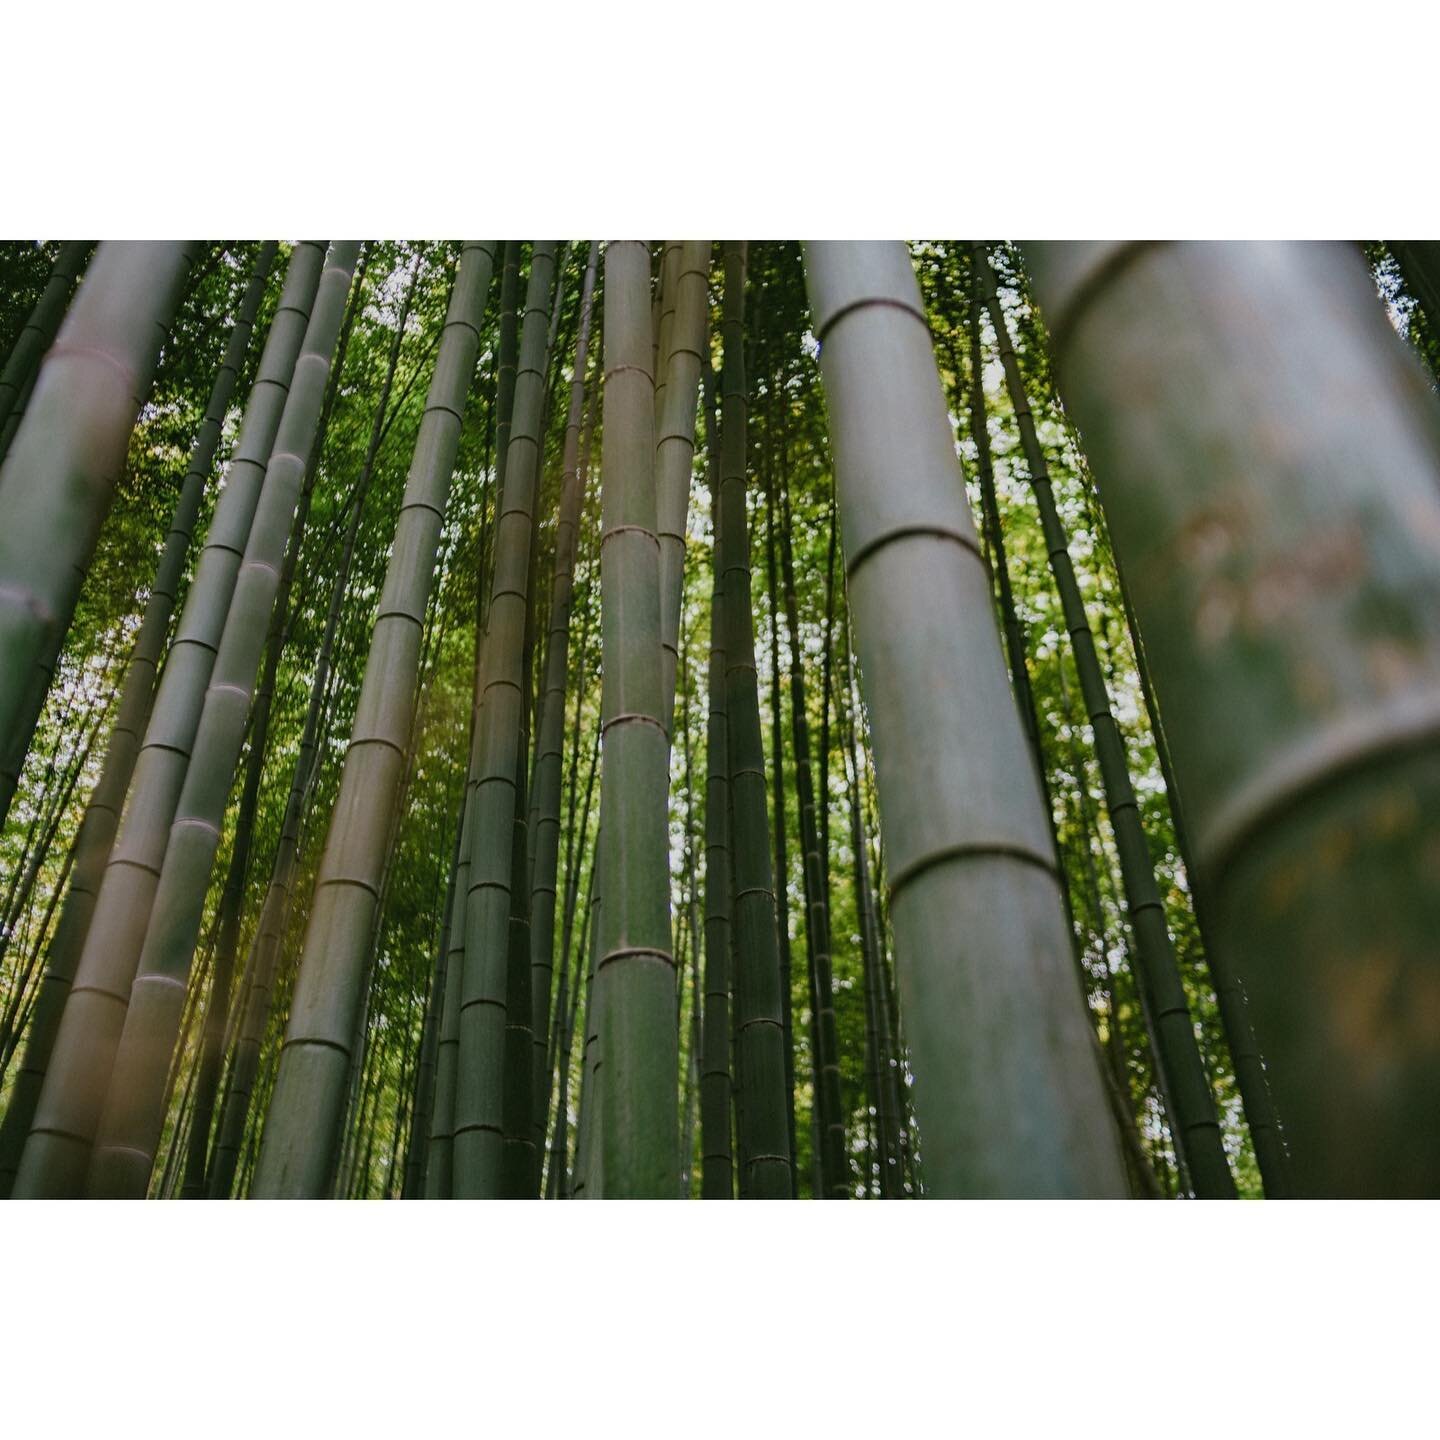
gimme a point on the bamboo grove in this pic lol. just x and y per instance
(672, 719)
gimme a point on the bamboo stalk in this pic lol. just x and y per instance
(1281, 564)
(1019, 1108)
(635, 969)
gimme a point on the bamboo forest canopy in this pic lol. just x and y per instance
(719, 720)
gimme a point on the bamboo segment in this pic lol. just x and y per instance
(675, 444)
(717, 1180)
(134, 1113)
(59, 477)
(65, 1117)
(102, 813)
(635, 972)
(1018, 1108)
(479, 1097)
(1195, 1125)
(303, 1128)
(1276, 506)
(764, 1125)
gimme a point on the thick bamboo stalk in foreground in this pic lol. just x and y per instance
(302, 1130)
(635, 971)
(1276, 506)
(57, 1152)
(1007, 1090)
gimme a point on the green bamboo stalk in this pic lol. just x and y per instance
(764, 1130)
(587, 1181)
(109, 944)
(557, 1183)
(716, 1177)
(665, 299)
(781, 828)
(1279, 558)
(439, 1151)
(577, 834)
(39, 329)
(1195, 1126)
(131, 1121)
(422, 1109)
(507, 359)
(1016, 1107)
(439, 1166)
(520, 1158)
(492, 800)
(303, 1128)
(549, 765)
(675, 405)
(888, 1117)
(58, 480)
(1012, 629)
(817, 902)
(264, 958)
(588, 1105)
(102, 812)
(635, 971)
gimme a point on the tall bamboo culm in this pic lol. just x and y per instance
(717, 1179)
(57, 1151)
(760, 1029)
(1284, 573)
(1014, 1105)
(635, 972)
(675, 408)
(102, 812)
(302, 1130)
(834, 1165)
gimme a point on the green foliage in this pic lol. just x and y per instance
(787, 438)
